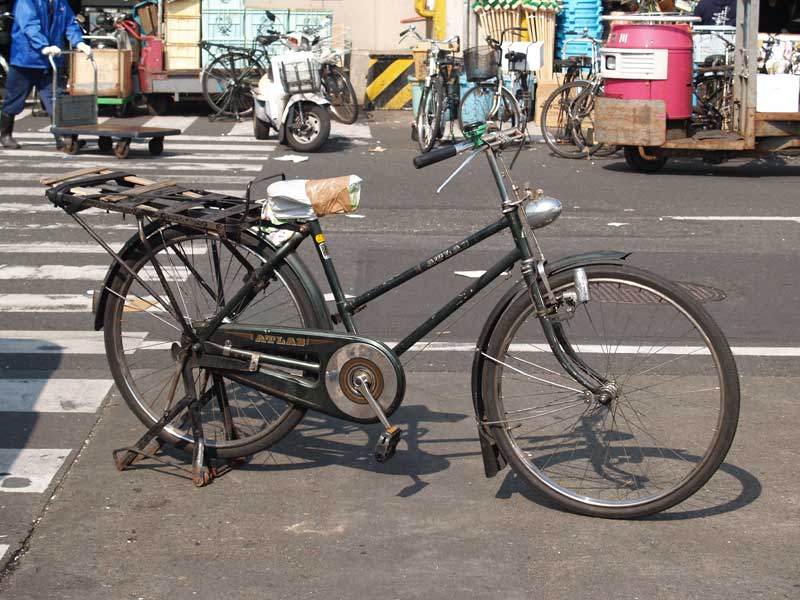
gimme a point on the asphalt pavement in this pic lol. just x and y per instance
(317, 516)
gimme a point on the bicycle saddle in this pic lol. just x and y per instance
(302, 199)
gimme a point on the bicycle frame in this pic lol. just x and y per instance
(513, 216)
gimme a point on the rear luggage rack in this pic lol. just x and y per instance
(164, 201)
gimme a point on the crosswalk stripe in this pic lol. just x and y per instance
(182, 123)
(53, 395)
(231, 157)
(39, 191)
(85, 272)
(240, 140)
(76, 248)
(45, 303)
(3, 550)
(356, 130)
(135, 165)
(22, 208)
(243, 128)
(27, 176)
(30, 471)
(63, 342)
(100, 121)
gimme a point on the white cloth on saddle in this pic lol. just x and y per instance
(299, 199)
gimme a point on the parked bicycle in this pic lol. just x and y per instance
(491, 100)
(228, 79)
(567, 119)
(713, 90)
(440, 92)
(606, 388)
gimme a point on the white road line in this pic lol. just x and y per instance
(62, 342)
(3, 550)
(53, 395)
(330, 298)
(84, 272)
(182, 123)
(542, 348)
(27, 470)
(26, 112)
(57, 303)
(28, 192)
(733, 218)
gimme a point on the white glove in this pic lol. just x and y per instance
(51, 51)
(85, 48)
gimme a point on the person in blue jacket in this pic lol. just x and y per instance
(40, 27)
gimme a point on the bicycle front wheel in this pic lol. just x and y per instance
(429, 118)
(666, 417)
(228, 82)
(479, 106)
(142, 336)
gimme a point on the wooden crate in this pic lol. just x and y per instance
(182, 8)
(114, 78)
(182, 30)
(182, 57)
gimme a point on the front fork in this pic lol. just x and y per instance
(535, 278)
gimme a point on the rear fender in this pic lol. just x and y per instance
(133, 246)
(493, 461)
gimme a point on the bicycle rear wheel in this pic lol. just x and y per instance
(477, 105)
(560, 127)
(228, 82)
(142, 337)
(669, 413)
(339, 91)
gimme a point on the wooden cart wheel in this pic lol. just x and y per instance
(156, 146)
(105, 144)
(71, 145)
(122, 149)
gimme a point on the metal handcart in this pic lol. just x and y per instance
(74, 116)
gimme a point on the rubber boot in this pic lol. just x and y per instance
(6, 131)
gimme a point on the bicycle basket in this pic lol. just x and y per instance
(300, 76)
(480, 63)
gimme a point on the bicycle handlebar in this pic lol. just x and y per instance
(413, 29)
(501, 139)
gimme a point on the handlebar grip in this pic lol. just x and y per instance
(434, 156)
(402, 33)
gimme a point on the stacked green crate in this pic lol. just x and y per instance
(257, 23)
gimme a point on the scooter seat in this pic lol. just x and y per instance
(303, 199)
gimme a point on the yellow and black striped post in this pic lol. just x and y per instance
(387, 81)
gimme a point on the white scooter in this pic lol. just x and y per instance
(288, 100)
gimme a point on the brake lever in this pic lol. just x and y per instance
(460, 168)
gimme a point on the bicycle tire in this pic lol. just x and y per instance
(556, 123)
(339, 91)
(144, 368)
(663, 433)
(228, 81)
(429, 116)
(476, 107)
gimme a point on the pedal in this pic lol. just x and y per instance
(387, 444)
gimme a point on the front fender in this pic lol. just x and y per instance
(493, 461)
(133, 246)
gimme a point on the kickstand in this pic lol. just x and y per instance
(202, 470)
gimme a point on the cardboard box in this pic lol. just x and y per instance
(543, 91)
(114, 75)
